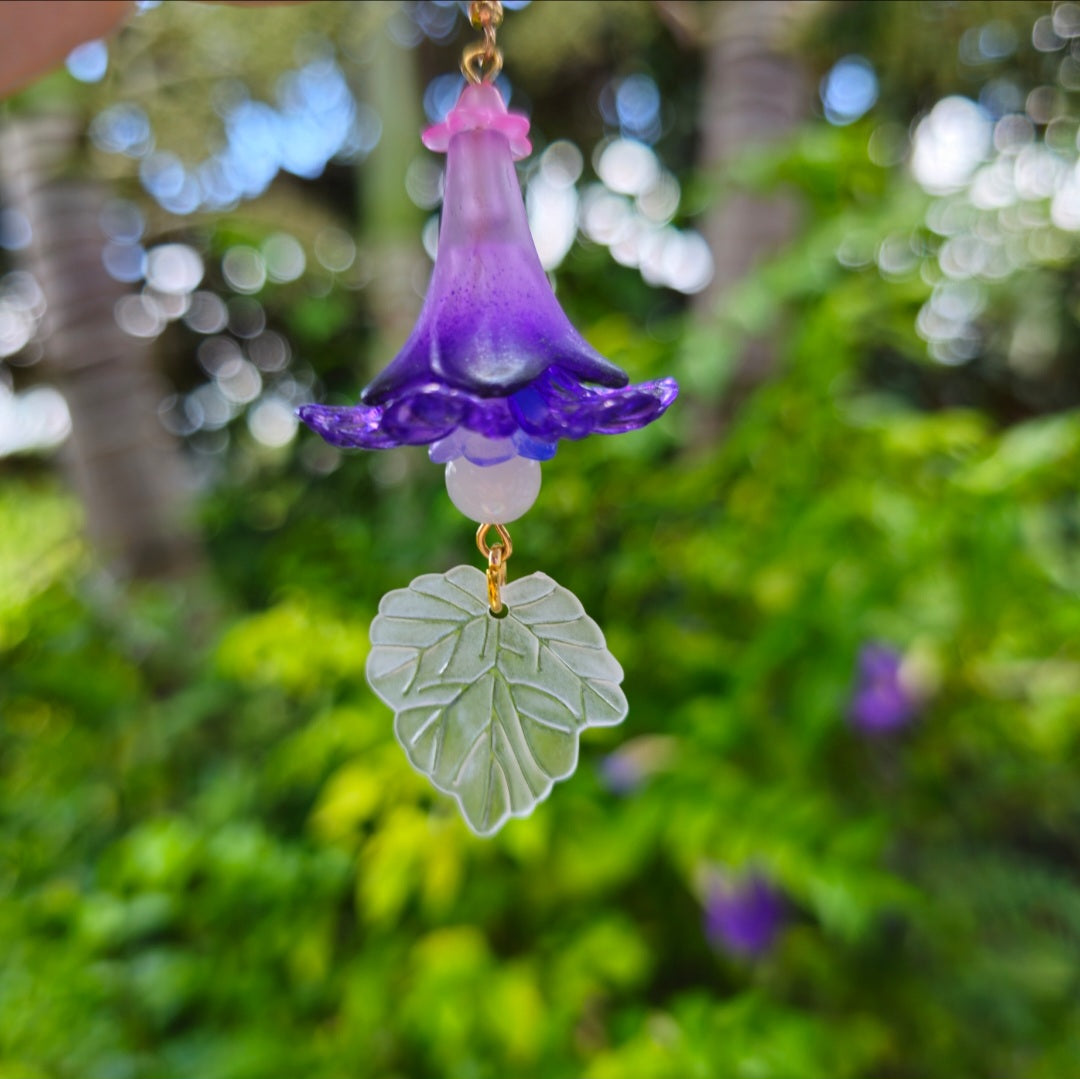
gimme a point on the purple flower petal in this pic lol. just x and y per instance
(552, 408)
(350, 428)
(430, 413)
(491, 417)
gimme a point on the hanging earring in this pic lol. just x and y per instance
(491, 683)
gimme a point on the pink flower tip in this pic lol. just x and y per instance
(481, 108)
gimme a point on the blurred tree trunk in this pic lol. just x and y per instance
(390, 222)
(755, 92)
(126, 470)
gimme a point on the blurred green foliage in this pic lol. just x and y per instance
(216, 863)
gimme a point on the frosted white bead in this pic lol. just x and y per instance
(497, 494)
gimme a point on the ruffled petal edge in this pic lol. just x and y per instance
(554, 406)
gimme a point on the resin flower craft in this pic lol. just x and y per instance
(491, 683)
(493, 370)
(492, 353)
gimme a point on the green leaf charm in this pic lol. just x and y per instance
(490, 708)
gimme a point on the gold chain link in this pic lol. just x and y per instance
(482, 61)
(497, 555)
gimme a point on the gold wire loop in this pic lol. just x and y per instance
(478, 65)
(484, 13)
(482, 545)
(482, 61)
(496, 554)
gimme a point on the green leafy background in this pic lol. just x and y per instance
(216, 863)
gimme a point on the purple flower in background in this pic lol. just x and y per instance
(743, 916)
(492, 352)
(883, 700)
(629, 767)
(621, 774)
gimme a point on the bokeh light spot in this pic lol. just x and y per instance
(424, 182)
(949, 144)
(284, 257)
(35, 420)
(122, 129)
(269, 351)
(561, 164)
(1066, 20)
(139, 316)
(849, 90)
(1043, 35)
(335, 249)
(272, 422)
(244, 269)
(124, 262)
(88, 62)
(627, 167)
(247, 317)
(207, 313)
(637, 105)
(440, 96)
(15, 231)
(174, 268)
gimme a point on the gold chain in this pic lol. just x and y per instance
(482, 61)
(497, 555)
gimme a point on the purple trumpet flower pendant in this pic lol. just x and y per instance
(493, 369)
(491, 683)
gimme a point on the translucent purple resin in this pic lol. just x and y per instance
(492, 351)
